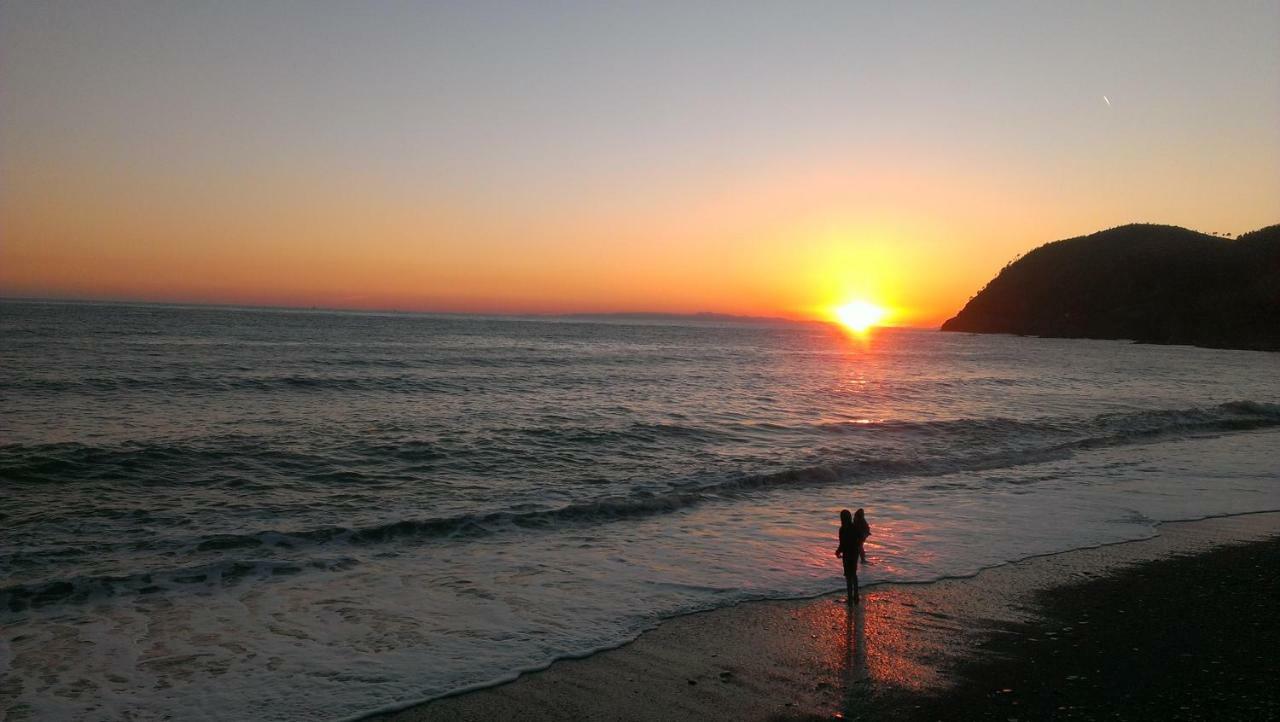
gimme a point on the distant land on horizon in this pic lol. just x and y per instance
(671, 316)
(706, 316)
(1143, 282)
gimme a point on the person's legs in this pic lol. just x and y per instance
(853, 584)
(848, 589)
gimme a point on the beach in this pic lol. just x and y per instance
(1173, 627)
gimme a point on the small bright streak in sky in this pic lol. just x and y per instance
(1108, 100)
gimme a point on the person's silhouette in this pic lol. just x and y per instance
(854, 531)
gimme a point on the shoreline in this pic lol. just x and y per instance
(1264, 348)
(772, 658)
(1182, 637)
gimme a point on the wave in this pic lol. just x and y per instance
(70, 462)
(635, 432)
(241, 458)
(995, 439)
(80, 589)
(892, 447)
(1234, 415)
(1041, 440)
(297, 383)
(1117, 429)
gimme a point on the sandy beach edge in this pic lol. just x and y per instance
(809, 658)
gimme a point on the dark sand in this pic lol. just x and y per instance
(1192, 637)
(1175, 627)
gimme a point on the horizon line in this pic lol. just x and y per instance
(632, 314)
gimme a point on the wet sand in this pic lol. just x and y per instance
(1190, 637)
(998, 645)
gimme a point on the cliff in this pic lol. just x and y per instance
(1149, 283)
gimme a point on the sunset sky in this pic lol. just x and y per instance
(773, 159)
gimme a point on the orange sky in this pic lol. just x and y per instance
(141, 159)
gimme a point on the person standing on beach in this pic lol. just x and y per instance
(854, 531)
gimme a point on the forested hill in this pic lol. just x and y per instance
(1150, 283)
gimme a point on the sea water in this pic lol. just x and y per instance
(259, 514)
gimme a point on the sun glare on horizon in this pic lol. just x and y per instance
(860, 316)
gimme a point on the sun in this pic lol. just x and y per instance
(860, 316)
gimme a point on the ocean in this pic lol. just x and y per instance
(233, 514)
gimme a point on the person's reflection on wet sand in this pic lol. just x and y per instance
(856, 674)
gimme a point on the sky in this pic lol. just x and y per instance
(753, 158)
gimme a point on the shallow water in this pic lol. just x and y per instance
(230, 514)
